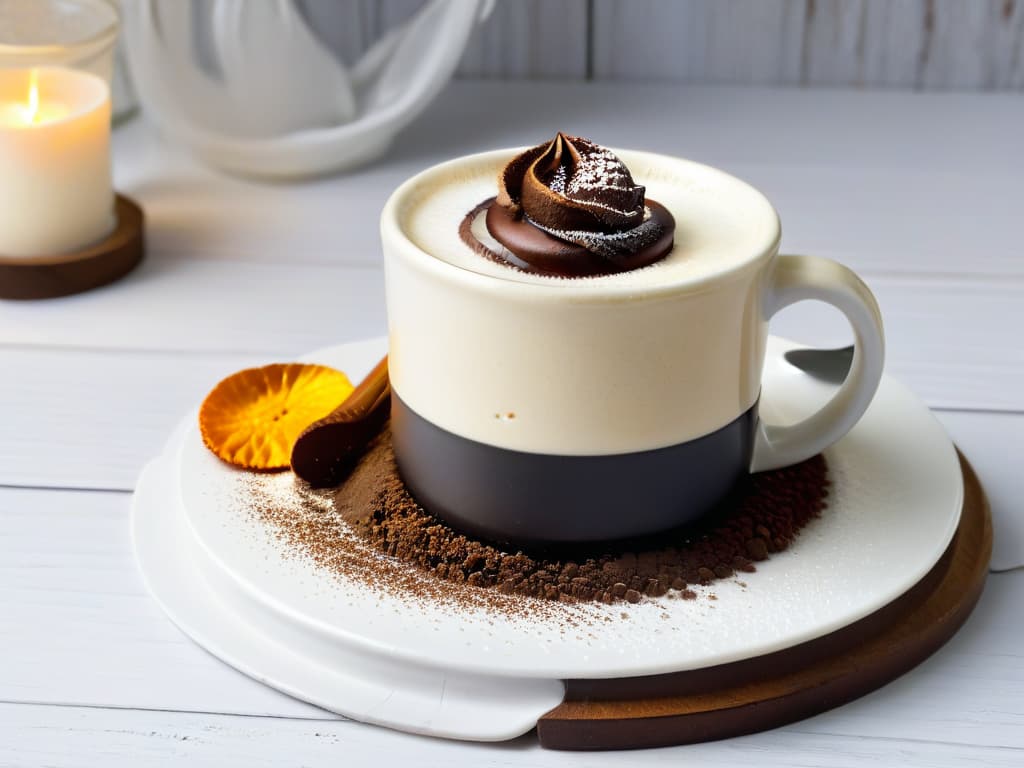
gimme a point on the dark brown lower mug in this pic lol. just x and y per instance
(523, 498)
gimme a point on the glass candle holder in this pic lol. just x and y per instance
(77, 34)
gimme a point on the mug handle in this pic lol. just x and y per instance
(796, 278)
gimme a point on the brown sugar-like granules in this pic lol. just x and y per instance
(762, 517)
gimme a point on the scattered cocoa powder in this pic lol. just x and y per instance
(762, 517)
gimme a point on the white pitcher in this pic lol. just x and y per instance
(265, 98)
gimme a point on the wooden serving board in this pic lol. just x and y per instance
(769, 691)
(48, 277)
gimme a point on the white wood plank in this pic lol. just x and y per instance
(834, 39)
(189, 304)
(1007, 70)
(63, 404)
(847, 129)
(900, 44)
(80, 419)
(940, 44)
(994, 443)
(883, 221)
(972, 45)
(928, 702)
(77, 628)
(91, 419)
(951, 340)
(738, 41)
(83, 738)
(103, 386)
(531, 39)
(890, 46)
(924, 182)
(954, 341)
(525, 38)
(932, 44)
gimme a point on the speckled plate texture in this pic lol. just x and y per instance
(464, 671)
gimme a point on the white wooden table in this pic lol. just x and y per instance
(920, 193)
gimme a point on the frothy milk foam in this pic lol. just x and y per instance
(721, 222)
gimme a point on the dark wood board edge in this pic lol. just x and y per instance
(873, 652)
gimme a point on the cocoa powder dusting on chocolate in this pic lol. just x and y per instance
(373, 530)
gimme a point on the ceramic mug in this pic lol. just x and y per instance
(543, 409)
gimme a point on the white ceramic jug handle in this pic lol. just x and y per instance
(796, 278)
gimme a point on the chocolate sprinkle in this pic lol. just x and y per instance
(762, 517)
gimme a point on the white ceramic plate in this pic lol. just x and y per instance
(367, 687)
(895, 506)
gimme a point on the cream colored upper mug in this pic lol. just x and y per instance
(535, 408)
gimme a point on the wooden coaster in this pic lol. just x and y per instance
(52, 276)
(769, 691)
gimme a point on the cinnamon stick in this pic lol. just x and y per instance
(328, 449)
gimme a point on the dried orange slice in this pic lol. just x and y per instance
(252, 418)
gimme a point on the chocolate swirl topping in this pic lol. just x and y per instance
(571, 207)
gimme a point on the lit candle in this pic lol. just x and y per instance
(56, 194)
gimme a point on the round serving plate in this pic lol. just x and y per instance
(479, 674)
(895, 504)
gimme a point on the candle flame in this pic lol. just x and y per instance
(32, 108)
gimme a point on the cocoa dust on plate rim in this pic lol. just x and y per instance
(370, 530)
